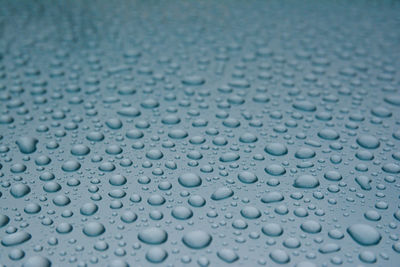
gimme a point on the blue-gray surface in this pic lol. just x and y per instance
(209, 133)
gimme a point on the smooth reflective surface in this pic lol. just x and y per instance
(210, 133)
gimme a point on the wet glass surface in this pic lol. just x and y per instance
(209, 133)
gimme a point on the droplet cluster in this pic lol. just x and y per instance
(199, 133)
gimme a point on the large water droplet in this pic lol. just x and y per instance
(27, 144)
(153, 236)
(197, 239)
(364, 234)
(222, 193)
(93, 229)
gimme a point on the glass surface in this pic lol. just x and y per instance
(199, 133)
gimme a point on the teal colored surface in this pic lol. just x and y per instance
(199, 133)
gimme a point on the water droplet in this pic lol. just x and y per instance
(306, 181)
(311, 227)
(193, 80)
(247, 177)
(189, 180)
(153, 236)
(364, 234)
(20, 190)
(181, 213)
(272, 197)
(37, 261)
(279, 256)
(368, 141)
(227, 255)
(156, 255)
(27, 144)
(15, 239)
(93, 229)
(197, 239)
(222, 193)
(276, 149)
(272, 229)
